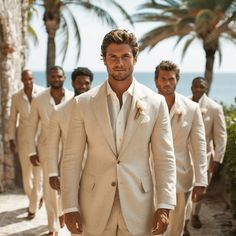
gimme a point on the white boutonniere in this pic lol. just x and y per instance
(140, 110)
(179, 113)
(203, 111)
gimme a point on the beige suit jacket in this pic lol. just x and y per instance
(129, 171)
(58, 128)
(19, 116)
(189, 136)
(215, 128)
(41, 109)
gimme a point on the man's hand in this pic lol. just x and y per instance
(73, 222)
(160, 221)
(35, 160)
(55, 182)
(12, 146)
(198, 193)
(214, 167)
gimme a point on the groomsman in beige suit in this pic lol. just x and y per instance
(188, 135)
(82, 79)
(120, 121)
(216, 135)
(41, 109)
(18, 121)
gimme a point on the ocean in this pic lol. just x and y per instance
(223, 88)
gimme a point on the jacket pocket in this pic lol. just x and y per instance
(146, 183)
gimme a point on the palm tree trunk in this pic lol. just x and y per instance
(51, 54)
(210, 50)
(10, 72)
(52, 22)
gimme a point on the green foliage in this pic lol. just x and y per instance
(230, 154)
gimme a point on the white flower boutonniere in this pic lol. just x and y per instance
(179, 114)
(140, 110)
(203, 110)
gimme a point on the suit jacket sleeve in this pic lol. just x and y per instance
(163, 158)
(198, 148)
(219, 134)
(13, 119)
(33, 127)
(54, 143)
(73, 154)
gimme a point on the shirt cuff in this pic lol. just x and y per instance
(165, 206)
(53, 174)
(200, 185)
(68, 210)
(32, 154)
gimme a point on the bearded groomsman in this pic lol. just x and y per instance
(189, 144)
(41, 109)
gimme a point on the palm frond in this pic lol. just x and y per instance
(186, 46)
(123, 11)
(152, 17)
(71, 21)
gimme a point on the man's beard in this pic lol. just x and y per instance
(58, 86)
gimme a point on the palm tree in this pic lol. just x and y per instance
(59, 16)
(208, 21)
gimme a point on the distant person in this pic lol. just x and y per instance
(18, 121)
(120, 121)
(82, 79)
(189, 144)
(216, 135)
(41, 109)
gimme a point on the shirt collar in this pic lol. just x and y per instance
(129, 91)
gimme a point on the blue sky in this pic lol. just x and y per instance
(93, 31)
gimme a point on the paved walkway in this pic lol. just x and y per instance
(217, 220)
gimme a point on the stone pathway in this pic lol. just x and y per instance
(217, 220)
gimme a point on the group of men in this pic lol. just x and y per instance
(120, 159)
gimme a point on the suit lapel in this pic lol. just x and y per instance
(100, 109)
(177, 118)
(133, 121)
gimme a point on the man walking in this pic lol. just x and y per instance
(120, 122)
(189, 144)
(19, 113)
(41, 109)
(216, 135)
(82, 79)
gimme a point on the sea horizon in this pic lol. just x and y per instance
(222, 89)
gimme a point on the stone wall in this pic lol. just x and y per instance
(13, 25)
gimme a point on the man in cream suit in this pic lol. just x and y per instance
(188, 135)
(82, 79)
(216, 135)
(41, 109)
(120, 121)
(20, 110)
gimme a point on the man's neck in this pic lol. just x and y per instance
(57, 94)
(28, 92)
(119, 87)
(170, 100)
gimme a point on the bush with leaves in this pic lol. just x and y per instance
(230, 154)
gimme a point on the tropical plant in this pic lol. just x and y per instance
(58, 15)
(208, 21)
(230, 154)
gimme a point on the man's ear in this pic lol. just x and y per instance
(104, 61)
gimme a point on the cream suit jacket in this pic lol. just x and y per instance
(189, 135)
(58, 128)
(41, 109)
(20, 111)
(215, 128)
(129, 171)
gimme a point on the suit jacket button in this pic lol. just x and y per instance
(118, 162)
(113, 184)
